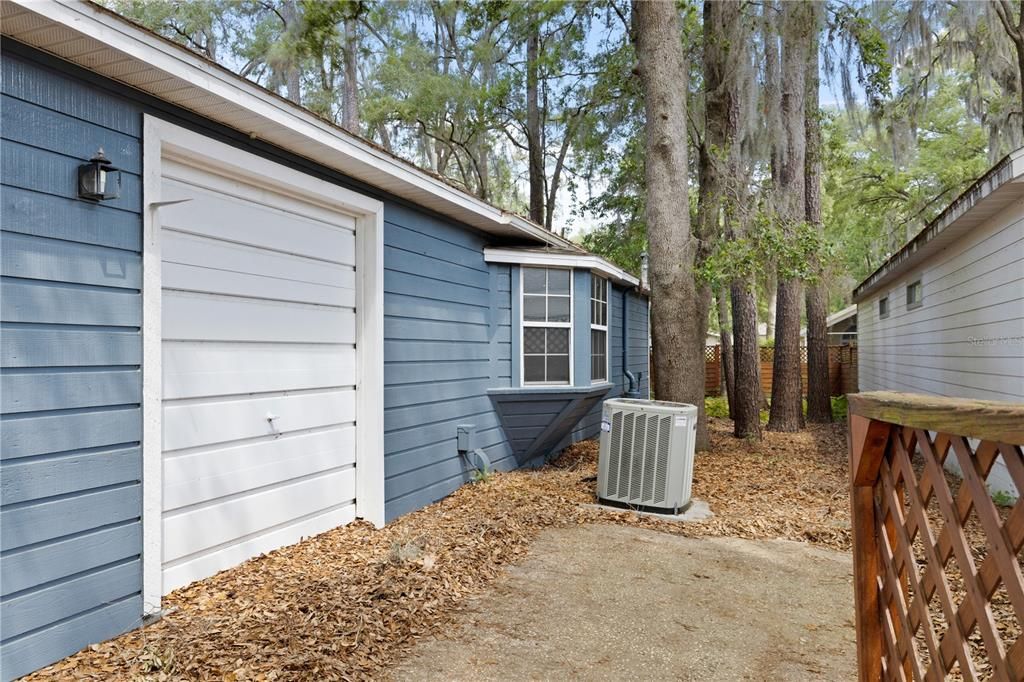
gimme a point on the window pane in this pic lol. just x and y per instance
(558, 368)
(533, 308)
(558, 309)
(533, 340)
(533, 280)
(533, 368)
(558, 340)
(558, 282)
(598, 368)
(598, 341)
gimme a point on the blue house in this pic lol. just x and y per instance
(259, 329)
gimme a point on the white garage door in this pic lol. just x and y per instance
(258, 345)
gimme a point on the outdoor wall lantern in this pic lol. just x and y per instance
(99, 180)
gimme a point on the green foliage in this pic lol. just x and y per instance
(1004, 498)
(770, 247)
(717, 406)
(482, 475)
(875, 72)
(874, 205)
(840, 406)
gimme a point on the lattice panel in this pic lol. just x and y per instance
(949, 580)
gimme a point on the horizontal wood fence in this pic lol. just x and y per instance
(842, 369)
(937, 575)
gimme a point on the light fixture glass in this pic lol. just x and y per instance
(99, 180)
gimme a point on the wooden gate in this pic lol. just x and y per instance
(937, 575)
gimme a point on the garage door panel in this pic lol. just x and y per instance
(206, 527)
(194, 369)
(204, 280)
(222, 256)
(264, 195)
(197, 423)
(207, 475)
(204, 317)
(184, 571)
(246, 222)
(258, 317)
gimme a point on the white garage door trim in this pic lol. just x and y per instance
(165, 139)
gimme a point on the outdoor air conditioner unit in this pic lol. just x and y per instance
(646, 456)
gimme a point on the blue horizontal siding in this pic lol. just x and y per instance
(446, 342)
(70, 385)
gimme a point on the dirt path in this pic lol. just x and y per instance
(617, 603)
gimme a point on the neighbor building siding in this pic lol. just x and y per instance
(70, 349)
(966, 340)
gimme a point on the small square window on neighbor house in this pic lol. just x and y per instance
(915, 295)
(883, 307)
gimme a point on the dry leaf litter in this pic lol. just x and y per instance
(348, 603)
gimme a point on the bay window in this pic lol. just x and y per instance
(547, 325)
(598, 329)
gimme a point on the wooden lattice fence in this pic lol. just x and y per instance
(842, 373)
(937, 571)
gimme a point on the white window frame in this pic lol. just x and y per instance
(605, 328)
(524, 323)
(162, 139)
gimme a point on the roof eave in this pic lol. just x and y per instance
(995, 190)
(582, 260)
(98, 40)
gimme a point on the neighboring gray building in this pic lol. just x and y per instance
(945, 314)
(274, 329)
(842, 326)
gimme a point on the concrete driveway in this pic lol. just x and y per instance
(609, 602)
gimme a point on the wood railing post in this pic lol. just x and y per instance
(867, 443)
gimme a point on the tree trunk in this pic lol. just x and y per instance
(819, 389)
(718, 159)
(534, 138)
(746, 405)
(725, 339)
(293, 76)
(678, 327)
(350, 116)
(786, 409)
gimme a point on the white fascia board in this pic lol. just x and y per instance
(333, 147)
(584, 261)
(844, 314)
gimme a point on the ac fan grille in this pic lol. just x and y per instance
(638, 457)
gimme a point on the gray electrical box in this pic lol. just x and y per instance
(465, 437)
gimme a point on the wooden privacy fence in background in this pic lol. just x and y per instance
(937, 576)
(842, 369)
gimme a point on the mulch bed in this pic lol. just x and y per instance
(348, 603)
